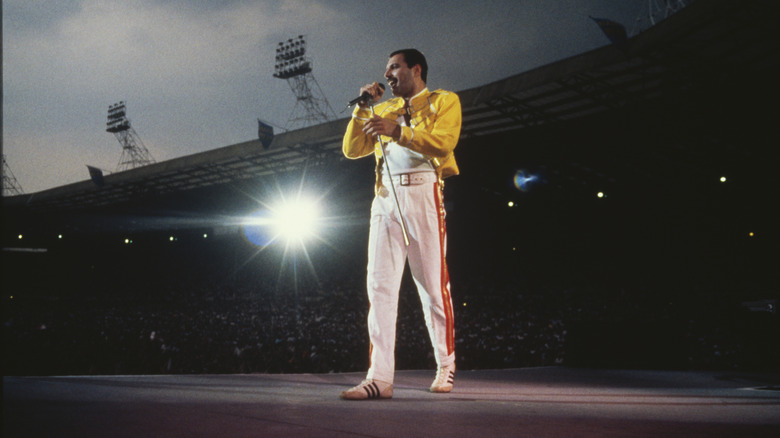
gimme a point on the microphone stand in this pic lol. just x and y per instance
(392, 185)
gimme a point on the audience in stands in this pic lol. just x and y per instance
(243, 323)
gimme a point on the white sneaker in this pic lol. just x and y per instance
(369, 389)
(445, 377)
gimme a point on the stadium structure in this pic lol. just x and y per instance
(650, 127)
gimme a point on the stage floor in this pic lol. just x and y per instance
(529, 402)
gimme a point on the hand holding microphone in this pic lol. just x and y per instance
(369, 92)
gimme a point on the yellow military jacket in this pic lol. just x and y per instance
(434, 131)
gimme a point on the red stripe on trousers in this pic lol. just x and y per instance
(445, 275)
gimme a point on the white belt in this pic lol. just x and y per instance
(414, 179)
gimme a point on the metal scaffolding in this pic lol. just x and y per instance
(11, 186)
(134, 153)
(292, 65)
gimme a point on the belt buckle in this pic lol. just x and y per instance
(405, 180)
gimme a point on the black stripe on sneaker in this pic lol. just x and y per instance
(372, 390)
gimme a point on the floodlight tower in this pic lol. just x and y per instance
(662, 9)
(134, 153)
(10, 184)
(292, 65)
(657, 11)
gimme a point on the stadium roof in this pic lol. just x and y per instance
(709, 42)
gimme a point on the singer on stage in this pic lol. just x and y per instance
(412, 136)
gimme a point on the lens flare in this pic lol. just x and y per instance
(257, 229)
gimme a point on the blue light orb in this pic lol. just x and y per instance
(523, 180)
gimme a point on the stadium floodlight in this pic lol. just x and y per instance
(134, 152)
(290, 59)
(293, 65)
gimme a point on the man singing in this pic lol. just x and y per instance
(418, 130)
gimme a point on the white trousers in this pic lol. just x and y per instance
(423, 209)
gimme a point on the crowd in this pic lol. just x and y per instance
(245, 334)
(180, 323)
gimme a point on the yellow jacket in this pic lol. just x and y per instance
(434, 132)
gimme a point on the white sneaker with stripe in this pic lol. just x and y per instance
(445, 377)
(369, 389)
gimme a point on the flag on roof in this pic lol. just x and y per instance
(614, 31)
(96, 175)
(265, 133)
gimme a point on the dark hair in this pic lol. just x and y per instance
(414, 57)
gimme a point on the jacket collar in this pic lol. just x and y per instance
(419, 100)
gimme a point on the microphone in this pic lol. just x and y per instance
(365, 96)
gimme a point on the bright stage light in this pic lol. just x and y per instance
(293, 221)
(296, 220)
